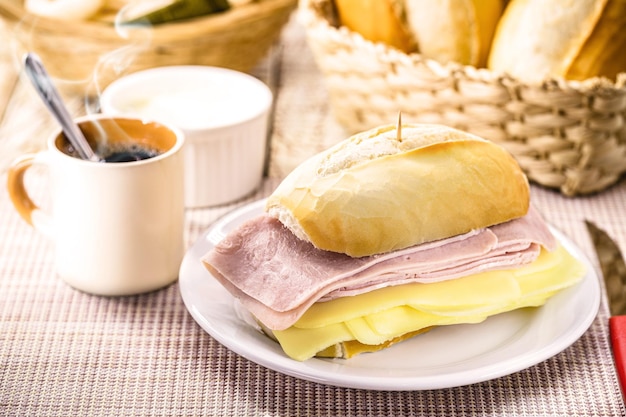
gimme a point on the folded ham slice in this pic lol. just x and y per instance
(278, 276)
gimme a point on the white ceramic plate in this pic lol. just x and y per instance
(444, 357)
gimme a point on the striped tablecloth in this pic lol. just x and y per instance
(66, 353)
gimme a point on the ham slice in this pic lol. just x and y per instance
(278, 276)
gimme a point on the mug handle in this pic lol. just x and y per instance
(23, 203)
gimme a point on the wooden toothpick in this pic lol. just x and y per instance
(399, 127)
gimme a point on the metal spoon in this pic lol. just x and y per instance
(51, 98)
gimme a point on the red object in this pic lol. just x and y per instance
(617, 329)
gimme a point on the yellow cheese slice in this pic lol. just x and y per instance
(380, 316)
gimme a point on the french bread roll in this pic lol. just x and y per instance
(453, 30)
(384, 190)
(603, 52)
(377, 21)
(538, 39)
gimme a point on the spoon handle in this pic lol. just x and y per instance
(51, 98)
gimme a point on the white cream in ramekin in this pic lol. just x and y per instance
(224, 115)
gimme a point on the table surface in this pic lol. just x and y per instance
(63, 352)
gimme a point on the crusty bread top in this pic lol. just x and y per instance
(383, 141)
(376, 192)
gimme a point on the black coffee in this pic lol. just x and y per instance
(119, 152)
(128, 153)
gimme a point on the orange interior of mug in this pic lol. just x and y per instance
(105, 133)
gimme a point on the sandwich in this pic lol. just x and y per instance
(388, 234)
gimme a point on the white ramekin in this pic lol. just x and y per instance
(224, 115)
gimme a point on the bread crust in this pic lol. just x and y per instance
(453, 30)
(536, 39)
(439, 182)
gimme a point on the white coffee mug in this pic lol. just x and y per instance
(118, 227)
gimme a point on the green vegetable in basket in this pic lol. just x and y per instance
(180, 10)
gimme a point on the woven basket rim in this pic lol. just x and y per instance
(315, 22)
(13, 11)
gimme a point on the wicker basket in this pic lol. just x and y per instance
(566, 135)
(92, 53)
